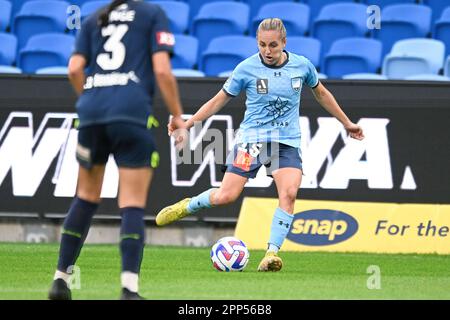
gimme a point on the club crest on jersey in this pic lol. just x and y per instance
(296, 83)
(262, 86)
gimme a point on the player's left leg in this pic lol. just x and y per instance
(133, 193)
(75, 228)
(288, 181)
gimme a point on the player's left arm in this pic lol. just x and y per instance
(326, 99)
(77, 63)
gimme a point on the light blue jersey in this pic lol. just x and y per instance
(273, 98)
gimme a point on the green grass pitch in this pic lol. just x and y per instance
(172, 273)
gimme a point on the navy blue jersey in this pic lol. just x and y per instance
(119, 75)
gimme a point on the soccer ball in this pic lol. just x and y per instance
(229, 254)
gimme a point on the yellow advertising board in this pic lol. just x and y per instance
(350, 226)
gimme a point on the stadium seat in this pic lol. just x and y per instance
(403, 21)
(185, 52)
(194, 8)
(217, 19)
(414, 56)
(352, 55)
(437, 6)
(187, 73)
(178, 14)
(340, 20)
(8, 48)
(316, 6)
(295, 17)
(225, 53)
(255, 5)
(5, 14)
(53, 70)
(441, 30)
(39, 16)
(364, 76)
(321, 76)
(46, 50)
(384, 3)
(225, 74)
(305, 46)
(428, 77)
(447, 67)
(89, 7)
(10, 69)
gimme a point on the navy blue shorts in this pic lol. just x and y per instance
(246, 158)
(131, 145)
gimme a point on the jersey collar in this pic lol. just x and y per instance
(275, 67)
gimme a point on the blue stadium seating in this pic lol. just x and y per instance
(9, 69)
(225, 53)
(5, 14)
(295, 17)
(178, 14)
(352, 55)
(39, 16)
(316, 6)
(194, 8)
(185, 52)
(447, 67)
(437, 6)
(428, 77)
(414, 56)
(441, 29)
(225, 74)
(8, 48)
(305, 46)
(187, 73)
(384, 3)
(340, 20)
(364, 76)
(218, 19)
(53, 70)
(255, 6)
(403, 21)
(89, 7)
(46, 50)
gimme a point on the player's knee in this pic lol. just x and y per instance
(289, 195)
(224, 197)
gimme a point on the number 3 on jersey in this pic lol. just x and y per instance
(115, 49)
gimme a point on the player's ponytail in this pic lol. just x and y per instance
(274, 24)
(104, 15)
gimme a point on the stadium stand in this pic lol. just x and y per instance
(218, 19)
(437, 6)
(316, 6)
(403, 21)
(185, 52)
(187, 73)
(447, 67)
(89, 7)
(10, 69)
(305, 46)
(53, 70)
(352, 55)
(414, 56)
(384, 3)
(441, 29)
(46, 50)
(364, 76)
(194, 6)
(8, 48)
(178, 14)
(39, 16)
(428, 77)
(225, 53)
(340, 20)
(295, 17)
(255, 5)
(5, 14)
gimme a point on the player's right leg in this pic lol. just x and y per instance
(229, 190)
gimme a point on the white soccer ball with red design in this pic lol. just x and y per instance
(229, 254)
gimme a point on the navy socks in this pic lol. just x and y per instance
(132, 237)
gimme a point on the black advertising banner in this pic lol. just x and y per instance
(403, 159)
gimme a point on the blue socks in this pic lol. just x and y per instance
(281, 224)
(132, 237)
(75, 229)
(199, 202)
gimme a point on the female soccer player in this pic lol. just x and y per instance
(123, 48)
(269, 134)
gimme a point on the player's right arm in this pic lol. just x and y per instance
(76, 75)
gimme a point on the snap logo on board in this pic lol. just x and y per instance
(322, 227)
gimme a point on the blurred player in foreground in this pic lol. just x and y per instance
(124, 47)
(269, 134)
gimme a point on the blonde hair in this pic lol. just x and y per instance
(274, 24)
